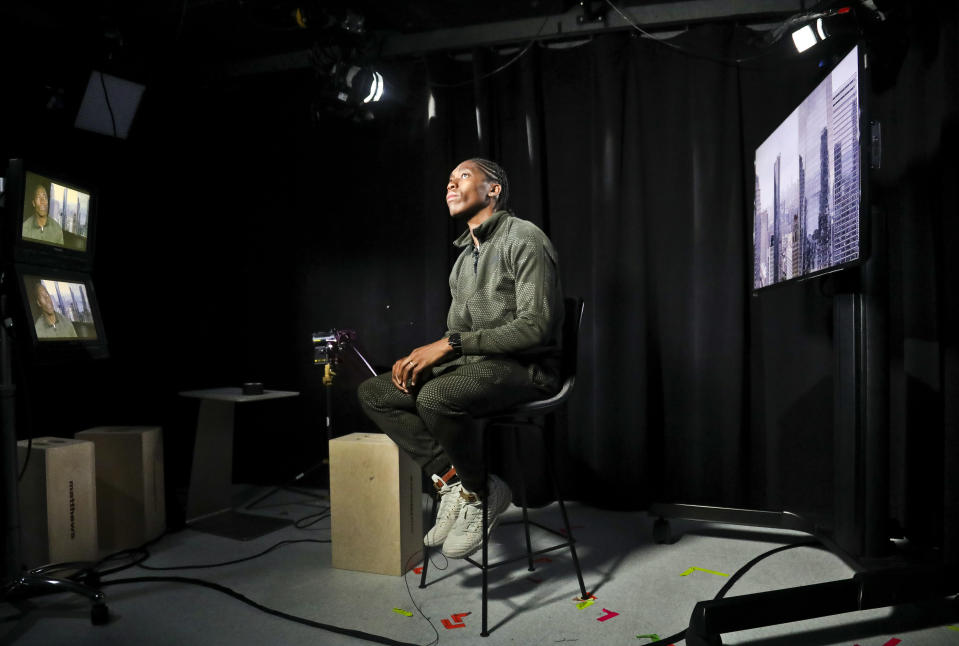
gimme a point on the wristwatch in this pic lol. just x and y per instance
(456, 343)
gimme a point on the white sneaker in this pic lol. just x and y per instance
(466, 536)
(450, 504)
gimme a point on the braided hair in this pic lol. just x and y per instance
(496, 174)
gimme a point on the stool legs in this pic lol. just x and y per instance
(522, 499)
(548, 442)
(426, 550)
(486, 434)
(484, 565)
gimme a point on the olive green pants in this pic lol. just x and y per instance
(436, 424)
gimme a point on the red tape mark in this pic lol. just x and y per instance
(457, 621)
(544, 559)
(592, 596)
(609, 615)
(563, 529)
(892, 642)
(534, 579)
(418, 570)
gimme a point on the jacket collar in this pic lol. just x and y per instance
(484, 231)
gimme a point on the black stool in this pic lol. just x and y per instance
(514, 421)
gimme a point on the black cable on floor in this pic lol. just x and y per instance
(409, 561)
(738, 574)
(234, 561)
(270, 611)
(301, 523)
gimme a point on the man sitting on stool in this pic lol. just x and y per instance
(502, 348)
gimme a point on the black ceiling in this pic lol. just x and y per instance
(203, 32)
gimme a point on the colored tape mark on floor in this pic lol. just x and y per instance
(609, 615)
(534, 579)
(653, 636)
(892, 642)
(457, 621)
(585, 604)
(418, 570)
(956, 628)
(592, 596)
(701, 569)
(544, 559)
(405, 613)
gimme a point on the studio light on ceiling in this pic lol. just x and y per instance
(813, 33)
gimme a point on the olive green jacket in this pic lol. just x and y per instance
(507, 296)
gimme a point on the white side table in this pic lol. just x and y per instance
(209, 506)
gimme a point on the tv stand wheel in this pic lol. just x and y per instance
(662, 532)
(99, 614)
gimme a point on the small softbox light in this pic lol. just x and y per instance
(109, 105)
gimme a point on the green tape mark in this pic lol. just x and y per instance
(956, 628)
(585, 604)
(652, 636)
(405, 613)
(700, 569)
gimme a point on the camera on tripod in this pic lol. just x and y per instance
(327, 346)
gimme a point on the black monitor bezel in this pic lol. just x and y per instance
(865, 165)
(25, 250)
(58, 350)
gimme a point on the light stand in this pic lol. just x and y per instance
(15, 583)
(328, 351)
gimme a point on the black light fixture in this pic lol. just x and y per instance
(813, 27)
(358, 85)
(807, 36)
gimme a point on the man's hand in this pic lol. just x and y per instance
(406, 371)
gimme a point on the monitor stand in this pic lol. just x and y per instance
(860, 471)
(16, 583)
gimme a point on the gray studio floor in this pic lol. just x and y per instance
(629, 574)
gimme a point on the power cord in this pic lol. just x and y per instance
(409, 562)
(234, 561)
(142, 553)
(359, 634)
(312, 518)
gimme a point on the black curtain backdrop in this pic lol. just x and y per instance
(639, 186)
(236, 222)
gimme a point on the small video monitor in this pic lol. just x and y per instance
(54, 213)
(50, 216)
(61, 313)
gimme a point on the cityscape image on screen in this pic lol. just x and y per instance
(808, 185)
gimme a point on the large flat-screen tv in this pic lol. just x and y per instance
(61, 313)
(809, 183)
(50, 217)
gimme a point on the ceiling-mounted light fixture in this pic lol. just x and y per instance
(806, 37)
(358, 84)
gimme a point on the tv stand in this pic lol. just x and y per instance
(16, 584)
(859, 535)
